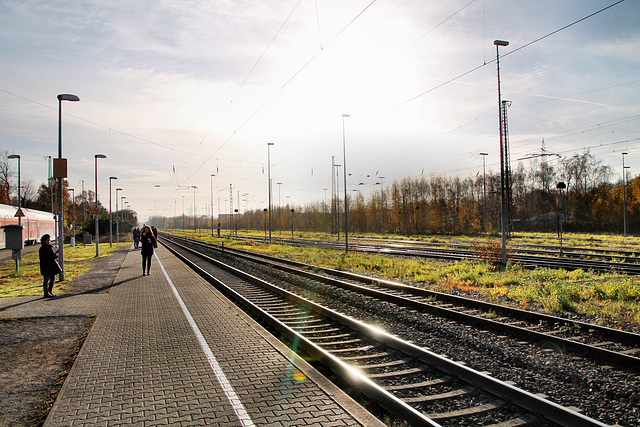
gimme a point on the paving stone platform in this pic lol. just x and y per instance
(168, 349)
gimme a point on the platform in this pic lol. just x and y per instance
(168, 349)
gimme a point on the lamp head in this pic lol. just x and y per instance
(113, 177)
(68, 97)
(501, 43)
(13, 156)
(100, 156)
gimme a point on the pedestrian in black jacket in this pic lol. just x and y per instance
(148, 242)
(49, 267)
(136, 237)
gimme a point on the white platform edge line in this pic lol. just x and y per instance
(233, 398)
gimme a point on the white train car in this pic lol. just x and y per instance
(34, 223)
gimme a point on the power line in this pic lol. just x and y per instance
(506, 54)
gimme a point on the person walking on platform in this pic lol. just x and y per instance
(136, 237)
(148, 243)
(155, 233)
(49, 267)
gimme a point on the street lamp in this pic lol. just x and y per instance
(122, 203)
(61, 172)
(264, 218)
(269, 144)
(96, 211)
(484, 190)
(344, 173)
(212, 175)
(279, 184)
(195, 221)
(235, 222)
(20, 214)
(117, 217)
(624, 198)
(17, 156)
(560, 186)
(110, 216)
(384, 207)
(337, 201)
(499, 43)
(73, 214)
(292, 211)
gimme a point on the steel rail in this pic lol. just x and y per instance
(531, 402)
(356, 378)
(452, 254)
(621, 359)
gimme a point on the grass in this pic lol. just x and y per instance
(609, 297)
(28, 281)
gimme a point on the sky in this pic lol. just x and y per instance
(173, 92)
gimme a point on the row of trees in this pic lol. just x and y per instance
(414, 205)
(77, 211)
(590, 202)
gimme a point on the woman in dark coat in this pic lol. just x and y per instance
(48, 265)
(148, 243)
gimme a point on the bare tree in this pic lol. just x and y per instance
(6, 173)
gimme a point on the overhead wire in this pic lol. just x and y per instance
(504, 55)
(288, 81)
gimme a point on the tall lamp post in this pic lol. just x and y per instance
(264, 218)
(195, 220)
(212, 175)
(111, 178)
(124, 207)
(560, 186)
(624, 198)
(117, 217)
(503, 219)
(17, 156)
(292, 211)
(344, 173)
(73, 214)
(61, 172)
(279, 184)
(484, 190)
(269, 144)
(96, 211)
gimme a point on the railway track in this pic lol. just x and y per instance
(626, 262)
(420, 386)
(615, 346)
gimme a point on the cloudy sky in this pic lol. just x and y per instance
(175, 91)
